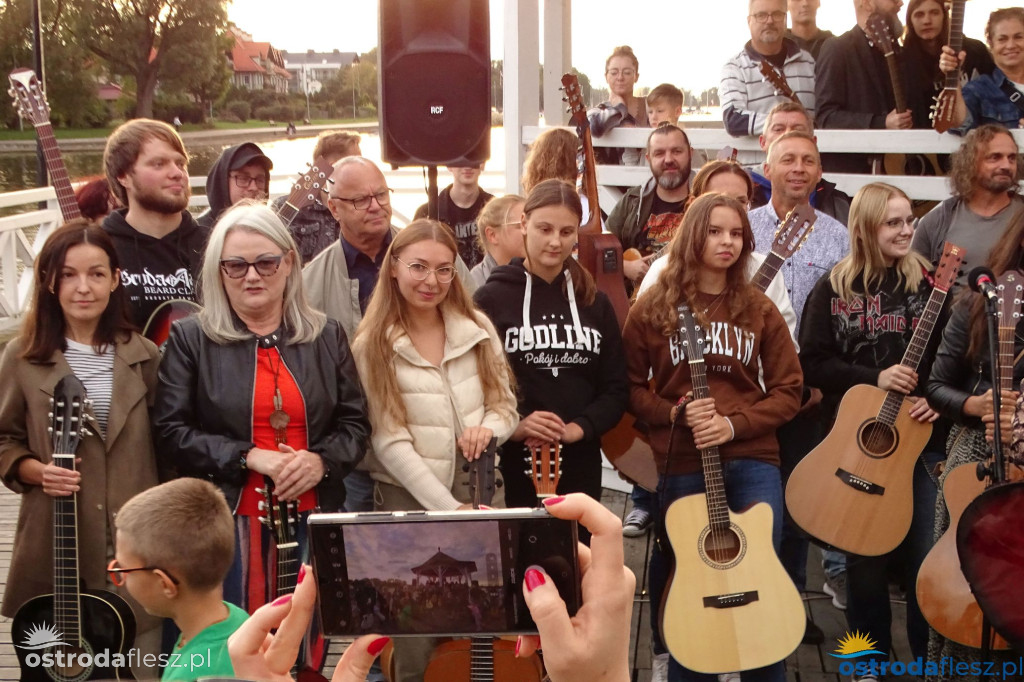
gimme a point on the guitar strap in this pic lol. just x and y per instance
(1013, 94)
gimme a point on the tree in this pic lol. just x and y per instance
(709, 98)
(143, 39)
(206, 77)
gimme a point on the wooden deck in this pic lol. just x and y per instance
(807, 664)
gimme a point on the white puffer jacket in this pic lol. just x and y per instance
(440, 402)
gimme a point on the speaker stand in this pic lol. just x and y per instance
(432, 192)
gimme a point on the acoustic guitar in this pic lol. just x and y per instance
(945, 102)
(943, 594)
(991, 554)
(854, 491)
(626, 446)
(306, 190)
(30, 101)
(600, 254)
(778, 81)
(879, 32)
(729, 604)
(72, 620)
(482, 659)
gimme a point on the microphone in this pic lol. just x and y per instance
(982, 280)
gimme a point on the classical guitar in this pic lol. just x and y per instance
(854, 490)
(879, 32)
(546, 468)
(32, 106)
(481, 659)
(600, 254)
(945, 102)
(778, 81)
(991, 552)
(626, 446)
(943, 594)
(76, 620)
(306, 190)
(729, 604)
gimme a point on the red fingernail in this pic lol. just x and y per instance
(281, 601)
(377, 645)
(534, 579)
(302, 574)
(519, 643)
(552, 500)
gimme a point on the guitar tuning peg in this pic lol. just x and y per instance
(499, 483)
(465, 466)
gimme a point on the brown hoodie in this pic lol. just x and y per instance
(659, 375)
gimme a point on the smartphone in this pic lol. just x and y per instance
(437, 573)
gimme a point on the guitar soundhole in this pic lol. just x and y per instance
(877, 439)
(722, 546)
(74, 672)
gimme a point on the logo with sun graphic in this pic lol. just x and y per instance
(856, 645)
(41, 637)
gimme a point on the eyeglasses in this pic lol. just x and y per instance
(117, 574)
(242, 181)
(237, 268)
(419, 271)
(763, 17)
(628, 73)
(897, 223)
(383, 198)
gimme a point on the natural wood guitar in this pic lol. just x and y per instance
(729, 604)
(627, 446)
(943, 594)
(778, 81)
(854, 491)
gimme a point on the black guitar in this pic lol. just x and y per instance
(71, 621)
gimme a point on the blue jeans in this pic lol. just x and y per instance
(358, 492)
(867, 584)
(747, 481)
(833, 562)
(643, 499)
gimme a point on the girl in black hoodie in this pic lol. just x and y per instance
(563, 343)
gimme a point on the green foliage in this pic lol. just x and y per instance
(167, 105)
(240, 109)
(353, 90)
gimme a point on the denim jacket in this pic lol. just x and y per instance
(987, 103)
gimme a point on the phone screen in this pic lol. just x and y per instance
(402, 576)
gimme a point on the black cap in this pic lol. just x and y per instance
(248, 155)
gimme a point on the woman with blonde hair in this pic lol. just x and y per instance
(499, 235)
(857, 325)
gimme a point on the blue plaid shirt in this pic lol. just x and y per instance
(987, 103)
(827, 244)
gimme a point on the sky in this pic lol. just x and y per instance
(684, 42)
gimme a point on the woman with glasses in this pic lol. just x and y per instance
(857, 325)
(241, 172)
(78, 323)
(259, 391)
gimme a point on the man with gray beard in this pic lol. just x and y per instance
(159, 244)
(647, 216)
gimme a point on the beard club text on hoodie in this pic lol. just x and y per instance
(156, 270)
(567, 358)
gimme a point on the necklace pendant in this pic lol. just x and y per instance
(279, 420)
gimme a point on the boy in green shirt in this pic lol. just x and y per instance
(174, 546)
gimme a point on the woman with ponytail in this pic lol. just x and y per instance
(563, 343)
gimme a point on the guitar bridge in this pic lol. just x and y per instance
(728, 601)
(858, 483)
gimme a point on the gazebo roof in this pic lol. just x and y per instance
(444, 565)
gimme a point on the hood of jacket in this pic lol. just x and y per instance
(218, 189)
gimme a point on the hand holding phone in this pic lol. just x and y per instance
(594, 644)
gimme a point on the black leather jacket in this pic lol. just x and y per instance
(202, 420)
(954, 377)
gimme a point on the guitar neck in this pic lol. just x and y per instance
(711, 461)
(897, 82)
(956, 40)
(1006, 355)
(766, 273)
(287, 552)
(287, 213)
(58, 172)
(593, 225)
(65, 560)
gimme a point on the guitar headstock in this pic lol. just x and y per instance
(308, 187)
(67, 420)
(772, 76)
(277, 515)
(481, 476)
(943, 111)
(1011, 294)
(948, 268)
(691, 336)
(574, 98)
(879, 32)
(29, 98)
(797, 226)
(546, 468)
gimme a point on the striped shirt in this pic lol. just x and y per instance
(746, 96)
(96, 372)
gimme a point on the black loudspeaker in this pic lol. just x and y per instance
(435, 82)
